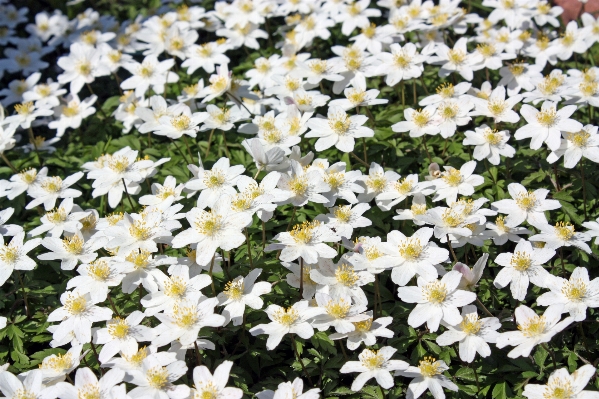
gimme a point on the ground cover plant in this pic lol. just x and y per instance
(298, 199)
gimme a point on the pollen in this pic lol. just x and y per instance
(471, 324)
(214, 178)
(157, 377)
(25, 108)
(73, 244)
(500, 223)
(564, 231)
(9, 253)
(234, 289)
(318, 66)
(138, 357)
(58, 362)
(140, 259)
(273, 136)
(452, 218)
(411, 249)
(185, 316)
(304, 233)
(429, 367)
(575, 289)
(526, 201)
(486, 50)
(588, 89)
(71, 110)
(346, 275)
(286, 317)
(579, 139)
(56, 216)
(497, 107)
(118, 328)
(558, 388)
(119, 163)
(435, 292)
(23, 393)
(404, 186)
(453, 177)
(532, 327)
(146, 71)
(372, 253)
(299, 185)
(547, 118)
(114, 218)
(377, 182)
(521, 261)
(448, 111)
(421, 118)
(175, 287)
(181, 122)
(343, 213)
(516, 69)
(218, 83)
(340, 124)
(28, 176)
(363, 326)
(165, 192)
(292, 84)
(356, 96)
(99, 270)
(369, 31)
(446, 90)
(338, 309)
(492, 137)
(456, 57)
(335, 179)
(75, 304)
(372, 360)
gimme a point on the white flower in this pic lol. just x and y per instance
(574, 146)
(574, 295)
(216, 182)
(521, 267)
(20, 388)
(214, 386)
(561, 384)
(428, 375)
(339, 312)
(437, 300)
(13, 256)
(184, 321)
(415, 255)
(525, 205)
(98, 276)
(452, 113)
(518, 76)
(496, 106)
(358, 96)
(374, 364)
(547, 124)
(291, 320)
(562, 235)
(339, 130)
(456, 59)
(290, 390)
(86, 383)
(72, 250)
(181, 122)
(490, 144)
(218, 228)
(60, 220)
(52, 188)
(81, 66)
(150, 73)
(145, 270)
(219, 84)
(366, 331)
(457, 181)
(472, 333)
(163, 192)
(340, 280)
(343, 219)
(72, 113)
(24, 181)
(77, 315)
(122, 335)
(55, 367)
(532, 330)
(418, 123)
(154, 380)
(401, 64)
(242, 291)
(306, 240)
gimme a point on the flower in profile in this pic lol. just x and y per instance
(562, 384)
(428, 375)
(532, 330)
(470, 277)
(375, 364)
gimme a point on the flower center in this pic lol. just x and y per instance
(338, 309)
(558, 388)
(497, 107)
(287, 316)
(500, 223)
(73, 244)
(343, 213)
(429, 367)
(372, 253)
(140, 259)
(146, 71)
(526, 201)
(402, 60)
(303, 233)
(58, 362)
(118, 328)
(75, 304)
(185, 316)
(421, 118)
(89, 391)
(516, 69)
(453, 177)
(579, 139)
(448, 111)
(119, 163)
(209, 224)
(28, 176)
(234, 290)
(471, 324)
(547, 118)
(356, 96)
(22, 393)
(404, 186)
(564, 231)
(372, 359)
(299, 185)
(418, 209)
(446, 90)
(137, 358)
(181, 122)
(175, 287)
(346, 275)
(363, 326)
(99, 270)
(157, 377)
(492, 136)
(377, 182)
(533, 327)
(521, 261)
(52, 184)
(219, 83)
(435, 292)
(340, 124)
(574, 290)
(410, 249)
(335, 179)
(318, 66)
(140, 231)
(486, 50)
(456, 57)
(451, 218)
(9, 253)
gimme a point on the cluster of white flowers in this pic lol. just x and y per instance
(284, 102)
